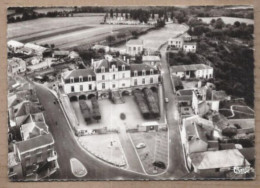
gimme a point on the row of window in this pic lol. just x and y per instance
(113, 86)
(135, 48)
(81, 88)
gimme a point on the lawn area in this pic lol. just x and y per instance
(107, 147)
(227, 20)
(110, 114)
(156, 149)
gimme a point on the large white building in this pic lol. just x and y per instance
(134, 47)
(192, 71)
(183, 42)
(109, 75)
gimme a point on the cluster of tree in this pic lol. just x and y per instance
(89, 9)
(220, 30)
(152, 103)
(87, 55)
(95, 109)
(30, 14)
(233, 69)
(143, 107)
(181, 58)
(85, 110)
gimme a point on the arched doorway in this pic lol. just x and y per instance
(125, 93)
(82, 97)
(154, 89)
(90, 96)
(73, 98)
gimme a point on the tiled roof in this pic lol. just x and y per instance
(140, 67)
(34, 143)
(218, 159)
(193, 67)
(20, 109)
(33, 129)
(185, 92)
(79, 72)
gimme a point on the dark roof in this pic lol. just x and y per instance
(185, 92)
(79, 72)
(184, 98)
(20, 109)
(107, 64)
(34, 143)
(224, 146)
(213, 144)
(140, 67)
(248, 153)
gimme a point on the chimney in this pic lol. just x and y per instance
(27, 108)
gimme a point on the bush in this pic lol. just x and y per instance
(230, 131)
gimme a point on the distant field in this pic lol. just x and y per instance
(227, 20)
(66, 32)
(15, 30)
(45, 10)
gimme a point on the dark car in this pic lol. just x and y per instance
(159, 164)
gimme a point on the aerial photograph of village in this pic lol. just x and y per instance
(130, 93)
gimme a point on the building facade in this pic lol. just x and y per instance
(134, 47)
(189, 47)
(192, 71)
(109, 75)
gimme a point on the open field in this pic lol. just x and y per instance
(227, 20)
(66, 32)
(110, 114)
(153, 41)
(52, 9)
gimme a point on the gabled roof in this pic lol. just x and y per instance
(140, 67)
(218, 159)
(185, 92)
(193, 67)
(34, 143)
(20, 109)
(107, 64)
(15, 43)
(35, 47)
(33, 129)
(78, 72)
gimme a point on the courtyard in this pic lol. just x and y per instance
(110, 114)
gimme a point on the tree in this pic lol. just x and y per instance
(219, 24)
(116, 12)
(153, 15)
(111, 13)
(212, 22)
(237, 24)
(126, 16)
(172, 15)
(110, 39)
(134, 34)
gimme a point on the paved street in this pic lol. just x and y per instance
(176, 167)
(68, 148)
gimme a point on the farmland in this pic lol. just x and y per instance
(65, 32)
(227, 20)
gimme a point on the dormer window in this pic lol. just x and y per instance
(80, 79)
(102, 69)
(151, 71)
(89, 78)
(123, 67)
(135, 73)
(143, 72)
(71, 80)
(113, 68)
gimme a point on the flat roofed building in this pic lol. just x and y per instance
(217, 161)
(14, 45)
(192, 71)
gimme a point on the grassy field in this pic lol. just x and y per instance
(66, 32)
(227, 20)
(52, 9)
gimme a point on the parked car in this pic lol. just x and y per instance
(166, 100)
(159, 164)
(140, 146)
